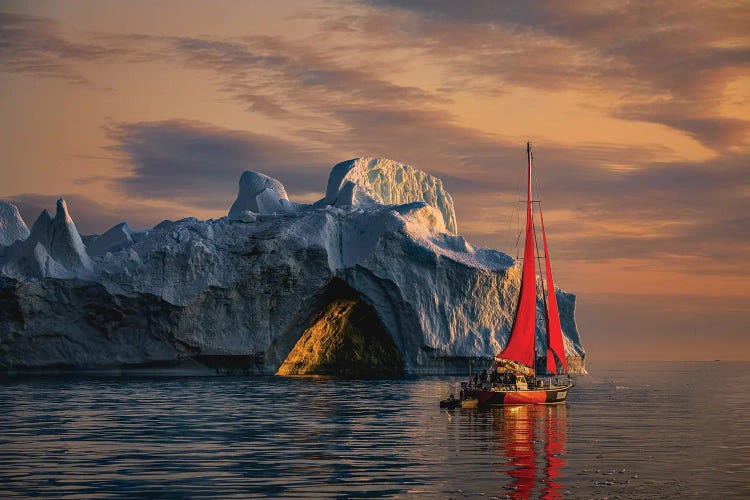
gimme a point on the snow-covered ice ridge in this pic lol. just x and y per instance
(12, 226)
(249, 283)
(392, 183)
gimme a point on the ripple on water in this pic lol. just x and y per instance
(643, 431)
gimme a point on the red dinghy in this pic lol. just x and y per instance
(513, 379)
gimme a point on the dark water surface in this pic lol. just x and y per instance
(674, 430)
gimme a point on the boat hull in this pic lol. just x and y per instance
(555, 394)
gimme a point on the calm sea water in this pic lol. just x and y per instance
(674, 430)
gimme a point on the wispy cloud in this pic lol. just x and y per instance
(668, 62)
(37, 46)
(291, 80)
(198, 163)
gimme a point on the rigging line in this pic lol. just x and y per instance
(539, 202)
(519, 197)
(515, 216)
(508, 231)
(535, 185)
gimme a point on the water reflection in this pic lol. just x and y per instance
(240, 437)
(533, 438)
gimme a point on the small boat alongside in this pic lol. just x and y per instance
(514, 378)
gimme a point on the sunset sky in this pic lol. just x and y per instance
(639, 113)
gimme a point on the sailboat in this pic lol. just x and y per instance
(514, 380)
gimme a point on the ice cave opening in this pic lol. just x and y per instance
(345, 338)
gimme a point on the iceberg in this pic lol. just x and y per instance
(374, 270)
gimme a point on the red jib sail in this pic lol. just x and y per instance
(554, 331)
(520, 347)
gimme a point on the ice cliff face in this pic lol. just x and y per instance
(244, 289)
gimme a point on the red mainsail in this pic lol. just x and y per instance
(520, 347)
(554, 330)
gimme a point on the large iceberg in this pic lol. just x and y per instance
(376, 265)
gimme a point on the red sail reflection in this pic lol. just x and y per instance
(556, 433)
(526, 431)
(519, 447)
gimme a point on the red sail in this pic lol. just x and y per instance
(520, 347)
(554, 330)
(551, 364)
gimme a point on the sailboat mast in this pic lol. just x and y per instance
(530, 215)
(528, 179)
(520, 347)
